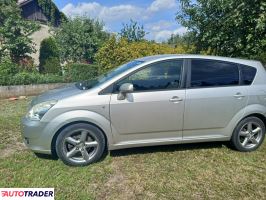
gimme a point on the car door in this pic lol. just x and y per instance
(213, 97)
(154, 110)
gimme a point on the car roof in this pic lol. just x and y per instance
(172, 56)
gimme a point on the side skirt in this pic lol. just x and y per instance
(155, 142)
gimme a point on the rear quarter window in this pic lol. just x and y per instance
(248, 74)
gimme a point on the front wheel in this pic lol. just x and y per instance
(80, 144)
(248, 134)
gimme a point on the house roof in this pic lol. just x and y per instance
(23, 2)
(47, 7)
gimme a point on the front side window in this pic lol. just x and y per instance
(85, 85)
(164, 75)
(212, 73)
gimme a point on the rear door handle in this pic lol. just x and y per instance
(239, 95)
(175, 99)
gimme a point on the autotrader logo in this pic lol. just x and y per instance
(27, 193)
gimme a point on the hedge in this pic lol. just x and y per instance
(80, 72)
(117, 51)
(27, 78)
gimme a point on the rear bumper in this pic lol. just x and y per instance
(33, 134)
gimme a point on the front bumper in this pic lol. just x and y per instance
(34, 136)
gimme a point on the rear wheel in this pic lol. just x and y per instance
(80, 144)
(248, 134)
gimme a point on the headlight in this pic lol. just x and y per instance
(39, 110)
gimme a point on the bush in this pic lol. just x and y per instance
(27, 64)
(10, 74)
(49, 56)
(79, 72)
(26, 78)
(7, 67)
(116, 52)
(52, 66)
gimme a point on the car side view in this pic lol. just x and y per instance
(156, 100)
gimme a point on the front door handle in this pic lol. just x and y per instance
(175, 99)
(239, 95)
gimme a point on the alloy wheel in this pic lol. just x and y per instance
(250, 135)
(80, 146)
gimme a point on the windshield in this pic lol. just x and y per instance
(85, 85)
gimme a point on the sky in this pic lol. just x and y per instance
(157, 16)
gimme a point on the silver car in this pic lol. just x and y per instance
(157, 100)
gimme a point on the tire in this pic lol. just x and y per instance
(248, 134)
(80, 144)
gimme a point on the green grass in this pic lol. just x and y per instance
(192, 171)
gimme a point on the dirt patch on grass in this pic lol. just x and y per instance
(117, 185)
(10, 149)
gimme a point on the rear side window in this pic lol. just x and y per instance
(212, 73)
(248, 74)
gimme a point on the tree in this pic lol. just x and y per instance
(175, 39)
(186, 40)
(226, 27)
(133, 32)
(79, 39)
(14, 32)
(117, 51)
(49, 54)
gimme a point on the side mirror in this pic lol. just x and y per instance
(124, 89)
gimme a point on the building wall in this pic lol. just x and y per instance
(37, 38)
(32, 11)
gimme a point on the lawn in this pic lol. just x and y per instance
(191, 171)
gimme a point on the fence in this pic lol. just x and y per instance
(26, 90)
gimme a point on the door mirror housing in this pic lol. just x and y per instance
(124, 89)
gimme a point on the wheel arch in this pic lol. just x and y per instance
(251, 110)
(60, 122)
(255, 114)
(239, 145)
(53, 143)
(258, 115)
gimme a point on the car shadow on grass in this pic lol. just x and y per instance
(46, 156)
(150, 150)
(166, 148)
(55, 157)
